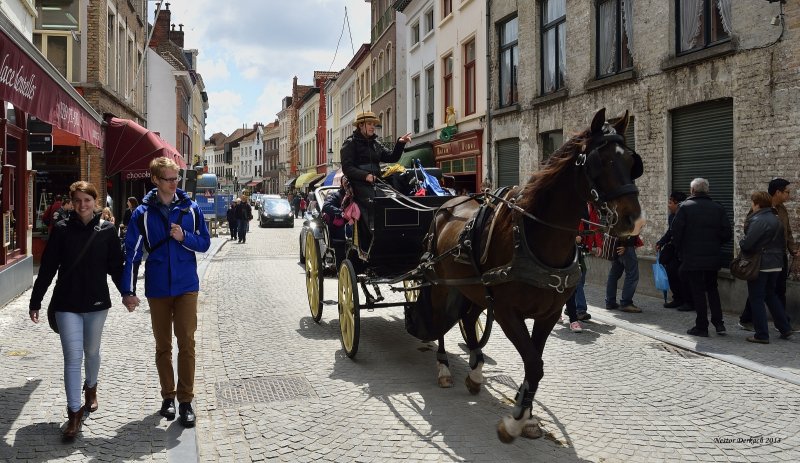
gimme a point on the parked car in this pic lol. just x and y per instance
(275, 211)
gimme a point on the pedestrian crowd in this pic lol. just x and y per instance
(691, 251)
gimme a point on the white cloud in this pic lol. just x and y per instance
(250, 50)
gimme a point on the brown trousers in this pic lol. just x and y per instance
(180, 312)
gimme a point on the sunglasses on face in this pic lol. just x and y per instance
(171, 180)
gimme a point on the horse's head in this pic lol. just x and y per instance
(610, 168)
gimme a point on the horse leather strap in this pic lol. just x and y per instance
(526, 268)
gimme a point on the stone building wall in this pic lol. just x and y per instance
(761, 77)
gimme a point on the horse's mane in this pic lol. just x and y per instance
(550, 172)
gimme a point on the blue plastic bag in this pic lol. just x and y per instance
(429, 182)
(660, 276)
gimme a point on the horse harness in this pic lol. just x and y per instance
(525, 267)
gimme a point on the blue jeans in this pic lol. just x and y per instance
(244, 226)
(80, 340)
(576, 304)
(629, 264)
(760, 291)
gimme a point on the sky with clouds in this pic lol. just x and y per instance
(250, 50)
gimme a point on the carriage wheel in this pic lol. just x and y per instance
(411, 294)
(314, 276)
(349, 311)
(483, 327)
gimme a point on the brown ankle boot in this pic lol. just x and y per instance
(73, 424)
(90, 393)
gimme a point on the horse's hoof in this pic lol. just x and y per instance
(532, 430)
(473, 387)
(445, 381)
(503, 434)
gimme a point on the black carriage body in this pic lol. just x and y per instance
(398, 231)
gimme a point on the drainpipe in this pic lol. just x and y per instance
(488, 174)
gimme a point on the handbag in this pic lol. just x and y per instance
(351, 212)
(746, 266)
(51, 314)
(660, 276)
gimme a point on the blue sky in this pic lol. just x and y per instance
(249, 50)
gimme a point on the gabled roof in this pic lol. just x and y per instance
(238, 135)
(173, 55)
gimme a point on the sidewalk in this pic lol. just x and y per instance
(780, 359)
(127, 425)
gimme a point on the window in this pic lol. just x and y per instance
(447, 77)
(415, 33)
(110, 49)
(447, 7)
(469, 78)
(56, 35)
(509, 60)
(554, 18)
(415, 109)
(614, 32)
(429, 92)
(702, 23)
(551, 141)
(121, 59)
(428, 21)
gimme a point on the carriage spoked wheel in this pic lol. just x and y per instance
(349, 310)
(314, 276)
(411, 294)
(483, 327)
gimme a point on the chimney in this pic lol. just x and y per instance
(177, 36)
(161, 27)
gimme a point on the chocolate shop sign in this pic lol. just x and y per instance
(27, 86)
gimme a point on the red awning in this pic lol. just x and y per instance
(254, 183)
(32, 84)
(130, 148)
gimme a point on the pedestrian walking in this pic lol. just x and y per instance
(587, 240)
(81, 251)
(699, 230)
(625, 262)
(303, 205)
(779, 193)
(296, 206)
(47, 217)
(669, 258)
(230, 215)
(171, 227)
(244, 214)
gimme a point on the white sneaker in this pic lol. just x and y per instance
(576, 327)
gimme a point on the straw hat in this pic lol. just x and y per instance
(367, 116)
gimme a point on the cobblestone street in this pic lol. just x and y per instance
(272, 384)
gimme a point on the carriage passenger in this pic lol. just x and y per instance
(361, 155)
(332, 211)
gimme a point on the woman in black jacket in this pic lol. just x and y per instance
(82, 250)
(763, 232)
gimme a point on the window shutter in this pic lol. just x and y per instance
(508, 162)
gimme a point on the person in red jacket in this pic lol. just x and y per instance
(587, 241)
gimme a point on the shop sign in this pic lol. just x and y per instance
(25, 84)
(137, 175)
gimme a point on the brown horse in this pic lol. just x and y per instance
(527, 255)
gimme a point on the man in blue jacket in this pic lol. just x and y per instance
(171, 227)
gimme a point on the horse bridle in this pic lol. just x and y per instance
(591, 163)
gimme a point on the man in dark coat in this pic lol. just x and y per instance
(362, 154)
(699, 230)
(233, 224)
(244, 214)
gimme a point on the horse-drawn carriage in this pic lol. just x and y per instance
(398, 225)
(510, 255)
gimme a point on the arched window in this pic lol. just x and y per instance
(389, 59)
(381, 65)
(387, 128)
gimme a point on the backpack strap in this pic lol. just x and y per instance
(143, 230)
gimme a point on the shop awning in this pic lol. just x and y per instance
(304, 179)
(253, 183)
(130, 148)
(289, 182)
(317, 181)
(34, 85)
(329, 178)
(425, 156)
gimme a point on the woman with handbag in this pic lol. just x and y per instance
(763, 232)
(82, 250)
